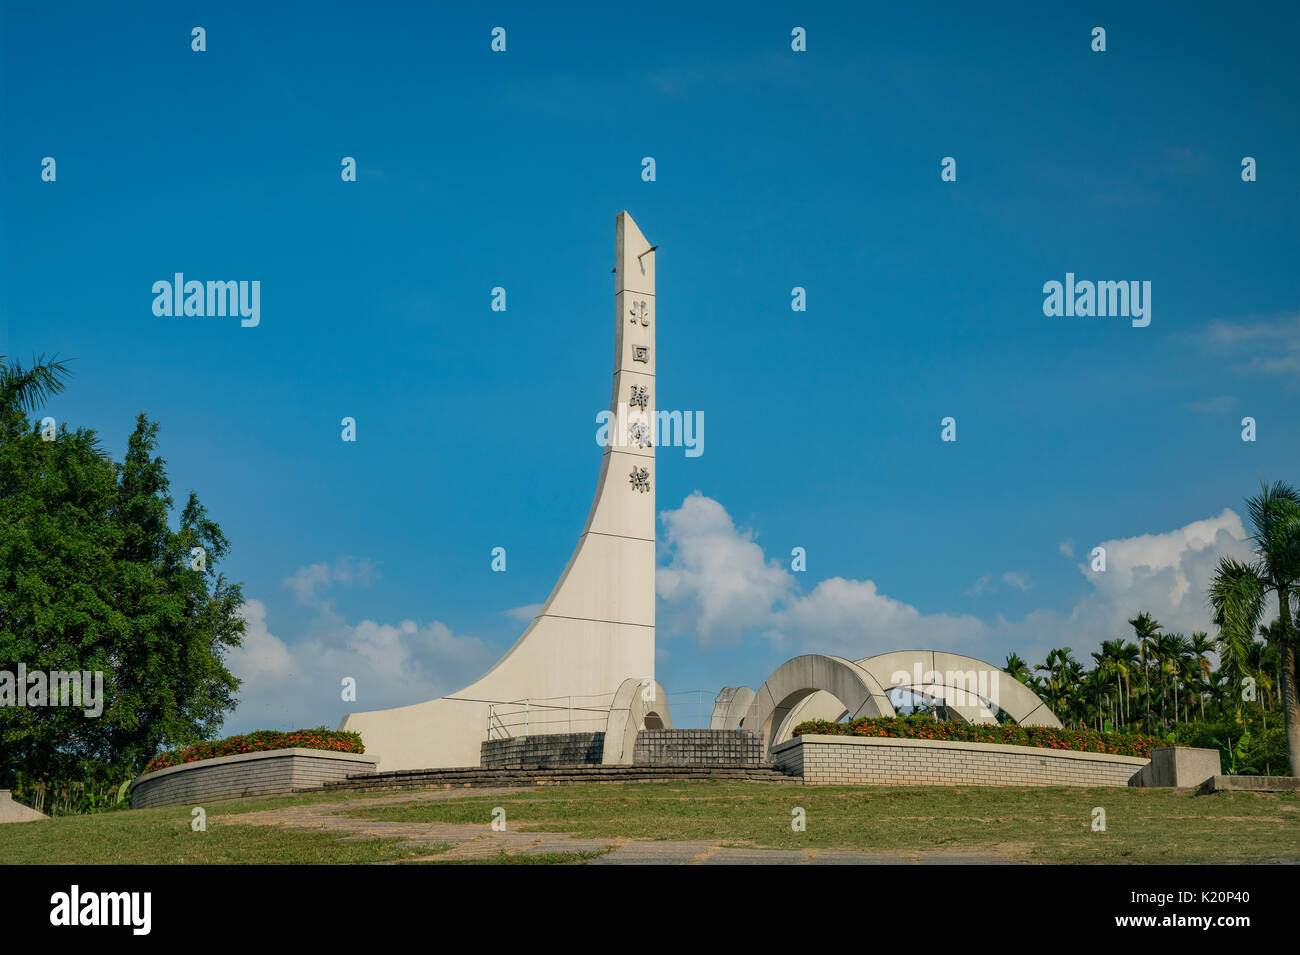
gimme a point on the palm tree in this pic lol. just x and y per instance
(1016, 668)
(1202, 645)
(1111, 661)
(1147, 629)
(1178, 652)
(1222, 681)
(1063, 671)
(25, 389)
(1240, 588)
(1257, 665)
(1129, 658)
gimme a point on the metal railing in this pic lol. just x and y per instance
(691, 709)
(560, 714)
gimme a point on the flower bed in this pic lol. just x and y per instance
(1041, 737)
(319, 738)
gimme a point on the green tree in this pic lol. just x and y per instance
(1240, 590)
(23, 390)
(1147, 629)
(1017, 669)
(92, 578)
(1202, 645)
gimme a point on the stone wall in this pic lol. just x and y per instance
(858, 760)
(554, 749)
(1180, 766)
(697, 748)
(273, 772)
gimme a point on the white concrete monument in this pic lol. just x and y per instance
(597, 628)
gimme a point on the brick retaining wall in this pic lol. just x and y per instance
(860, 760)
(272, 772)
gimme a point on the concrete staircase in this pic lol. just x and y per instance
(478, 777)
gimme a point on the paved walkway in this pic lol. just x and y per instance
(478, 841)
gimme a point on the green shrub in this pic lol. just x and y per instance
(1042, 737)
(70, 797)
(319, 738)
(1245, 749)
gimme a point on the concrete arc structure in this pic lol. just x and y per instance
(962, 683)
(730, 707)
(797, 679)
(596, 630)
(638, 705)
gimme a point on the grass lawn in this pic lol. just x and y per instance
(1034, 825)
(1041, 825)
(163, 836)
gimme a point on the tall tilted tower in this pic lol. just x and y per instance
(597, 628)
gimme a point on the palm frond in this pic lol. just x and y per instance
(1237, 599)
(29, 388)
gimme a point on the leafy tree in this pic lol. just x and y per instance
(92, 578)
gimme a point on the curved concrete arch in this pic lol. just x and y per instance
(816, 706)
(730, 707)
(797, 679)
(638, 705)
(962, 683)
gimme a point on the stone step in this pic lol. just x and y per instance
(476, 776)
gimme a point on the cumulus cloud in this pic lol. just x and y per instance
(1166, 574)
(851, 618)
(291, 684)
(719, 581)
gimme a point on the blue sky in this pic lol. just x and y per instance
(775, 169)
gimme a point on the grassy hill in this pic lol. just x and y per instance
(1026, 825)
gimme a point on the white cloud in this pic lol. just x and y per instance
(262, 658)
(1165, 574)
(1066, 547)
(294, 684)
(308, 582)
(1010, 578)
(719, 581)
(851, 618)
(1262, 347)
(526, 613)
(720, 587)
(1013, 578)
